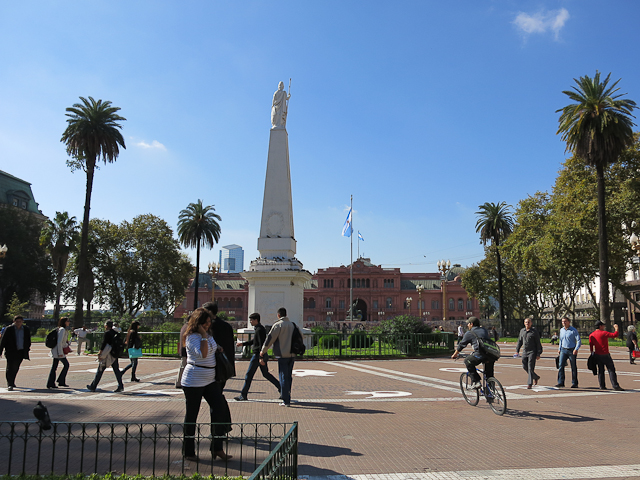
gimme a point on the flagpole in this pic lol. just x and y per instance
(351, 268)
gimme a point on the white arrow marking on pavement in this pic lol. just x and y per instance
(381, 394)
(313, 373)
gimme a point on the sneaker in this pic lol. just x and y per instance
(118, 390)
(240, 398)
(282, 404)
(10, 388)
(618, 389)
(559, 385)
(475, 385)
(90, 388)
(574, 386)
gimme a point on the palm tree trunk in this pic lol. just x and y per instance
(56, 309)
(500, 296)
(603, 248)
(195, 280)
(78, 320)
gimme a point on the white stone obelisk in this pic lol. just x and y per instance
(276, 278)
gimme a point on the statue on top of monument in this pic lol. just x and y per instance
(279, 107)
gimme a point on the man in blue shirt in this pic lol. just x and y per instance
(568, 350)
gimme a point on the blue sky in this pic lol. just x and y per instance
(423, 110)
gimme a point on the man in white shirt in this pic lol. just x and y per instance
(81, 333)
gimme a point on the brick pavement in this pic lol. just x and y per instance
(403, 417)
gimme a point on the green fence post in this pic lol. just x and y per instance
(162, 344)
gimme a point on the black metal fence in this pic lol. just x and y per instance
(144, 449)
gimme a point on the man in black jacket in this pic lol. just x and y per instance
(108, 339)
(260, 334)
(529, 339)
(222, 333)
(15, 342)
(474, 359)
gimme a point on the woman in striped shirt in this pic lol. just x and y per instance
(198, 381)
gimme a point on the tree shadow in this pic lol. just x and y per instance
(561, 416)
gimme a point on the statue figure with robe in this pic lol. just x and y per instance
(279, 107)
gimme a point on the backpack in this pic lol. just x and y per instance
(51, 341)
(297, 342)
(117, 349)
(488, 347)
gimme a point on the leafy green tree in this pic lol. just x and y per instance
(92, 133)
(26, 268)
(403, 325)
(59, 237)
(16, 307)
(597, 127)
(138, 265)
(494, 225)
(198, 226)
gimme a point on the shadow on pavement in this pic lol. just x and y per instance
(337, 407)
(317, 450)
(562, 416)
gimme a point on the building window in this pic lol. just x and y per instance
(460, 305)
(348, 283)
(327, 302)
(452, 305)
(422, 304)
(389, 303)
(357, 283)
(312, 303)
(435, 305)
(311, 318)
(469, 304)
(388, 283)
(368, 283)
(341, 303)
(328, 283)
(375, 304)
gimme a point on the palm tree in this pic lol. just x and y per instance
(59, 237)
(198, 225)
(597, 128)
(495, 225)
(93, 132)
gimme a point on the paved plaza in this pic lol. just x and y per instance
(384, 419)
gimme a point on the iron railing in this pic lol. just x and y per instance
(139, 448)
(160, 344)
(282, 462)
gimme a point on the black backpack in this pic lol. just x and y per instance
(51, 341)
(117, 348)
(297, 342)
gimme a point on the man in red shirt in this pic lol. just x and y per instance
(599, 341)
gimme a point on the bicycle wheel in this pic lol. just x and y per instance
(497, 399)
(471, 395)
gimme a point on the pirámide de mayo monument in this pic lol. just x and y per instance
(276, 278)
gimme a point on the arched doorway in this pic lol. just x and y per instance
(360, 310)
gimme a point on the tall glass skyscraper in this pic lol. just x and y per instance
(231, 259)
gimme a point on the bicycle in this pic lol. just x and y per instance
(491, 389)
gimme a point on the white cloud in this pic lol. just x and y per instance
(156, 145)
(542, 22)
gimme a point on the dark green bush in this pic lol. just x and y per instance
(329, 341)
(41, 332)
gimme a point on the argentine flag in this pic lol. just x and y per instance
(347, 229)
(360, 236)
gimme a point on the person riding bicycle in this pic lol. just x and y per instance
(477, 357)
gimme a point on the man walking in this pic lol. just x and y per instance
(81, 335)
(222, 333)
(568, 350)
(108, 357)
(16, 343)
(530, 339)
(280, 338)
(259, 336)
(599, 343)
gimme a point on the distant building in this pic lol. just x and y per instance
(378, 294)
(231, 259)
(16, 193)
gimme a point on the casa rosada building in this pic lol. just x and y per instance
(378, 294)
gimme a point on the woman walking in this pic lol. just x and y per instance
(198, 381)
(632, 342)
(59, 354)
(133, 341)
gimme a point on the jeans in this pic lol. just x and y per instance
(133, 366)
(62, 378)
(254, 364)
(285, 368)
(529, 365)
(14, 360)
(116, 371)
(220, 415)
(567, 354)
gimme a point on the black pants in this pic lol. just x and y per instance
(116, 372)
(14, 360)
(606, 361)
(220, 416)
(529, 365)
(472, 361)
(62, 378)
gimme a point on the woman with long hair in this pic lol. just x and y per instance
(60, 356)
(198, 381)
(133, 340)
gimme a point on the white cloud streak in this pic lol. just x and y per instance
(156, 145)
(542, 22)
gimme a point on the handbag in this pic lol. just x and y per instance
(636, 354)
(224, 368)
(135, 352)
(66, 350)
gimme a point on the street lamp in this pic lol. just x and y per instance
(214, 268)
(420, 288)
(444, 267)
(408, 300)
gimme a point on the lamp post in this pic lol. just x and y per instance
(408, 300)
(420, 288)
(444, 267)
(214, 268)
